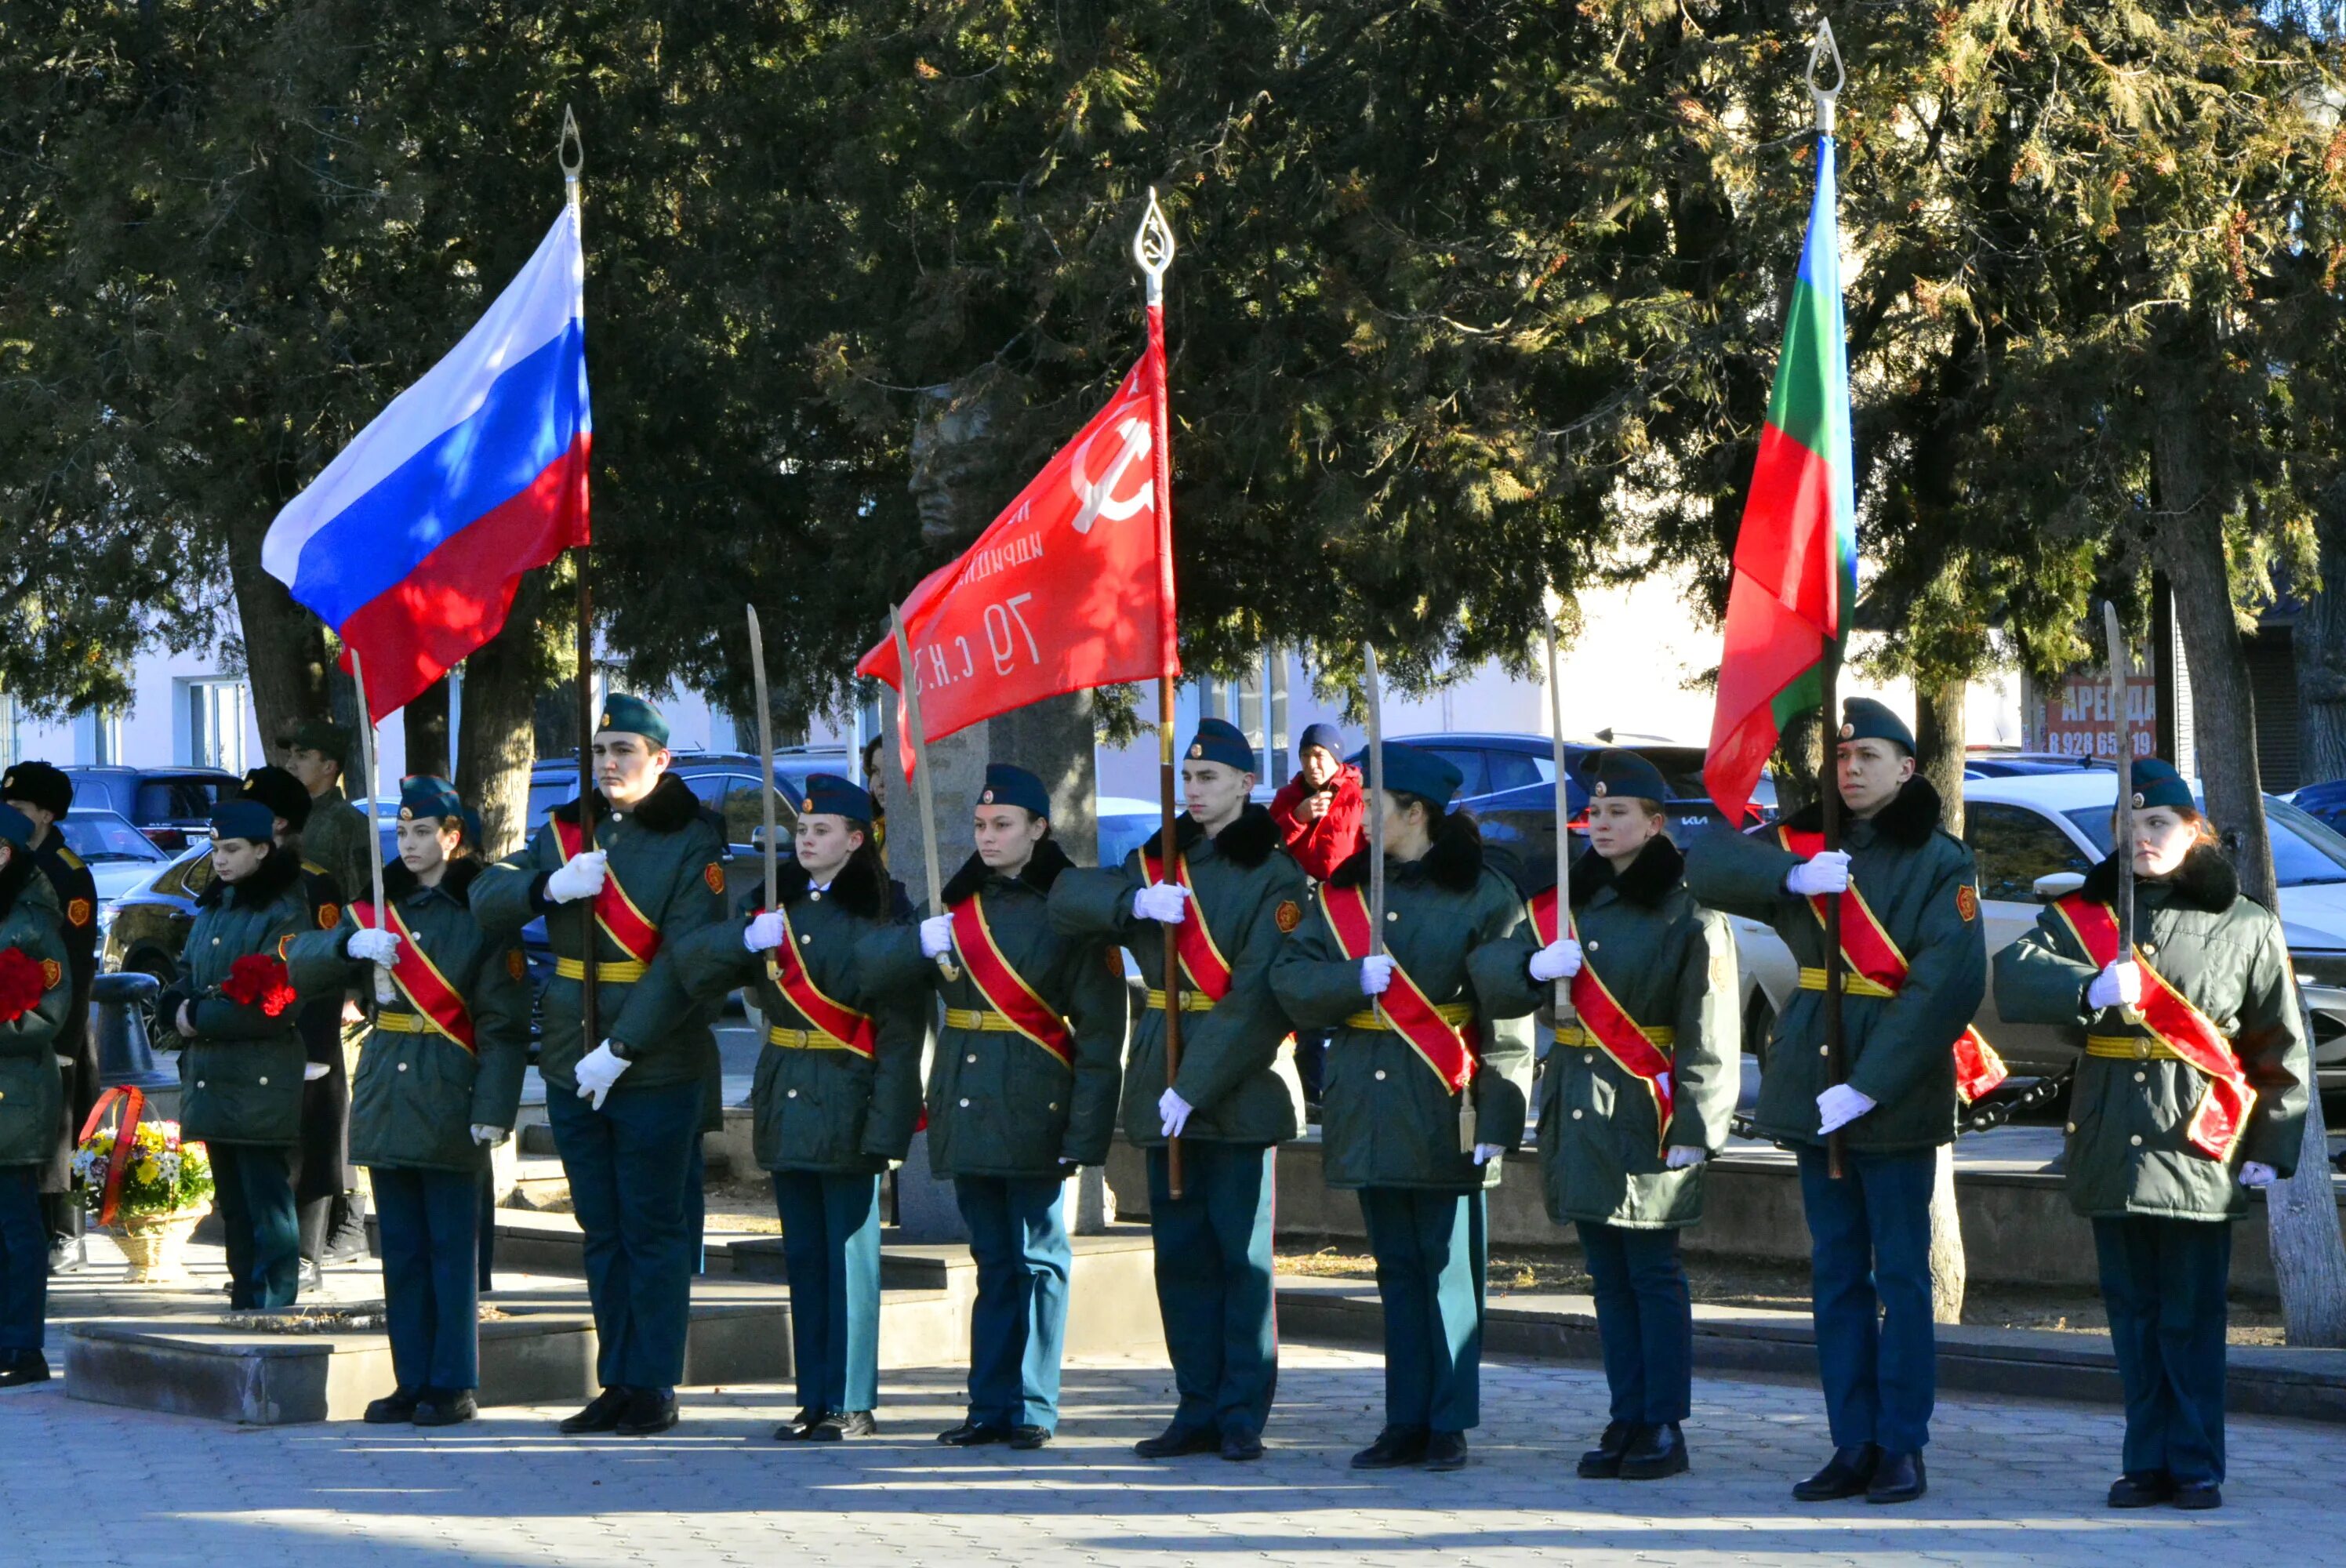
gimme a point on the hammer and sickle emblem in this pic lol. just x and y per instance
(1100, 499)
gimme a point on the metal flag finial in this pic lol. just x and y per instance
(571, 149)
(1152, 247)
(1821, 50)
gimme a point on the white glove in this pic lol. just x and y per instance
(1839, 1106)
(580, 877)
(1559, 959)
(1167, 904)
(485, 1133)
(764, 933)
(372, 947)
(1376, 973)
(1175, 1112)
(597, 1071)
(1682, 1155)
(2117, 985)
(936, 936)
(1826, 871)
(2256, 1174)
(1486, 1153)
(313, 1071)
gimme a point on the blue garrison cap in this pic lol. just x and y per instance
(1008, 786)
(829, 795)
(633, 716)
(2156, 783)
(1862, 719)
(1618, 773)
(427, 795)
(1219, 740)
(243, 819)
(1411, 771)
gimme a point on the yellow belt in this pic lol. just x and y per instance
(1573, 1034)
(1191, 1002)
(985, 1020)
(804, 1039)
(1457, 1014)
(2131, 1048)
(404, 1023)
(618, 972)
(1851, 983)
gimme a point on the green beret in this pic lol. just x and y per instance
(1862, 719)
(2156, 783)
(632, 716)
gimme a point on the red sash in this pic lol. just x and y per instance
(1201, 960)
(2175, 1024)
(1004, 989)
(1872, 954)
(420, 980)
(1408, 1009)
(834, 1018)
(1608, 1023)
(638, 936)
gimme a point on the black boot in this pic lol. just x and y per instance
(25, 1367)
(1846, 1474)
(1897, 1479)
(602, 1412)
(1603, 1463)
(840, 1425)
(1178, 1440)
(398, 1405)
(2141, 1489)
(1658, 1451)
(649, 1411)
(799, 1426)
(1394, 1447)
(445, 1407)
(346, 1236)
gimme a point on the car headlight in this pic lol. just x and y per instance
(2319, 967)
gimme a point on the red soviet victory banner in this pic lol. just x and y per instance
(1064, 591)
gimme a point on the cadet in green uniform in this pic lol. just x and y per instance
(35, 998)
(1425, 1087)
(241, 1058)
(43, 794)
(1235, 1099)
(837, 1092)
(1870, 1230)
(2175, 1111)
(625, 1115)
(1022, 1092)
(439, 1082)
(1636, 1095)
(334, 835)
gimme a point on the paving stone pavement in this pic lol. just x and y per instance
(2013, 1481)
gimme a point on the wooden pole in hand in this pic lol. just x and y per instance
(2123, 830)
(1562, 1004)
(384, 991)
(573, 154)
(909, 689)
(765, 747)
(1836, 965)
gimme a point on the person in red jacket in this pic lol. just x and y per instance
(1320, 811)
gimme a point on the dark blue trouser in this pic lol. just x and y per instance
(1870, 1273)
(24, 1260)
(428, 1223)
(1018, 1325)
(1645, 1320)
(1213, 1283)
(253, 1185)
(830, 1240)
(626, 1165)
(2163, 1281)
(695, 1205)
(488, 1231)
(1431, 1253)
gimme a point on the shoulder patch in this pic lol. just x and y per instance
(516, 966)
(714, 875)
(329, 915)
(1290, 914)
(78, 913)
(52, 971)
(1967, 900)
(67, 858)
(284, 943)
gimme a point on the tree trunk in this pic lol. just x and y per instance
(426, 722)
(286, 657)
(2188, 543)
(1940, 739)
(1948, 1272)
(496, 734)
(2319, 641)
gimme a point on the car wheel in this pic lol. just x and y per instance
(161, 968)
(1759, 1023)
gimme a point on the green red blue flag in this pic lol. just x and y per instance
(1796, 556)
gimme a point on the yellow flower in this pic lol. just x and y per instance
(147, 1170)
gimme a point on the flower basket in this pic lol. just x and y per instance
(148, 1187)
(155, 1243)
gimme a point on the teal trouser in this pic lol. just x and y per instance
(2163, 1281)
(830, 1240)
(1213, 1284)
(1431, 1254)
(1018, 1325)
(428, 1226)
(253, 1186)
(626, 1164)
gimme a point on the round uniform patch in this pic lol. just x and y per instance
(329, 916)
(714, 875)
(78, 913)
(1967, 901)
(1288, 914)
(52, 971)
(515, 966)
(284, 943)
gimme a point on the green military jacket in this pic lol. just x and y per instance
(417, 1096)
(669, 860)
(1670, 965)
(1000, 1103)
(240, 1076)
(1900, 1052)
(818, 1108)
(32, 1093)
(334, 839)
(1237, 1071)
(1387, 1118)
(2128, 1146)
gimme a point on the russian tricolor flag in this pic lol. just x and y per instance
(411, 541)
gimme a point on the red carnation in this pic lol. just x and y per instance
(259, 979)
(22, 983)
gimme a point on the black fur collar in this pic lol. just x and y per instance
(1248, 841)
(456, 882)
(2205, 881)
(1455, 864)
(671, 806)
(1040, 873)
(13, 878)
(861, 890)
(281, 871)
(1909, 819)
(1652, 877)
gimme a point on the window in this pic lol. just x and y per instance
(8, 757)
(97, 738)
(2014, 846)
(1469, 763)
(214, 710)
(1517, 769)
(745, 811)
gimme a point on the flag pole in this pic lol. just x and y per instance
(1563, 1003)
(765, 747)
(385, 992)
(1152, 250)
(572, 153)
(2122, 836)
(1372, 689)
(1828, 717)
(908, 688)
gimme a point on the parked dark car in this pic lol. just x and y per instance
(2325, 802)
(172, 805)
(2024, 764)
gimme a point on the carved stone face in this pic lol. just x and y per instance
(950, 474)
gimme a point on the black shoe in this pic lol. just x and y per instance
(2198, 1494)
(1446, 1451)
(1241, 1448)
(308, 1276)
(1394, 1447)
(603, 1414)
(1603, 1463)
(67, 1255)
(1030, 1437)
(32, 1367)
(1849, 1472)
(800, 1426)
(346, 1241)
(649, 1411)
(445, 1407)
(842, 1424)
(1897, 1479)
(2141, 1489)
(397, 1406)
(974, 1434)
(1178, 1440)
(1658, 1451)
